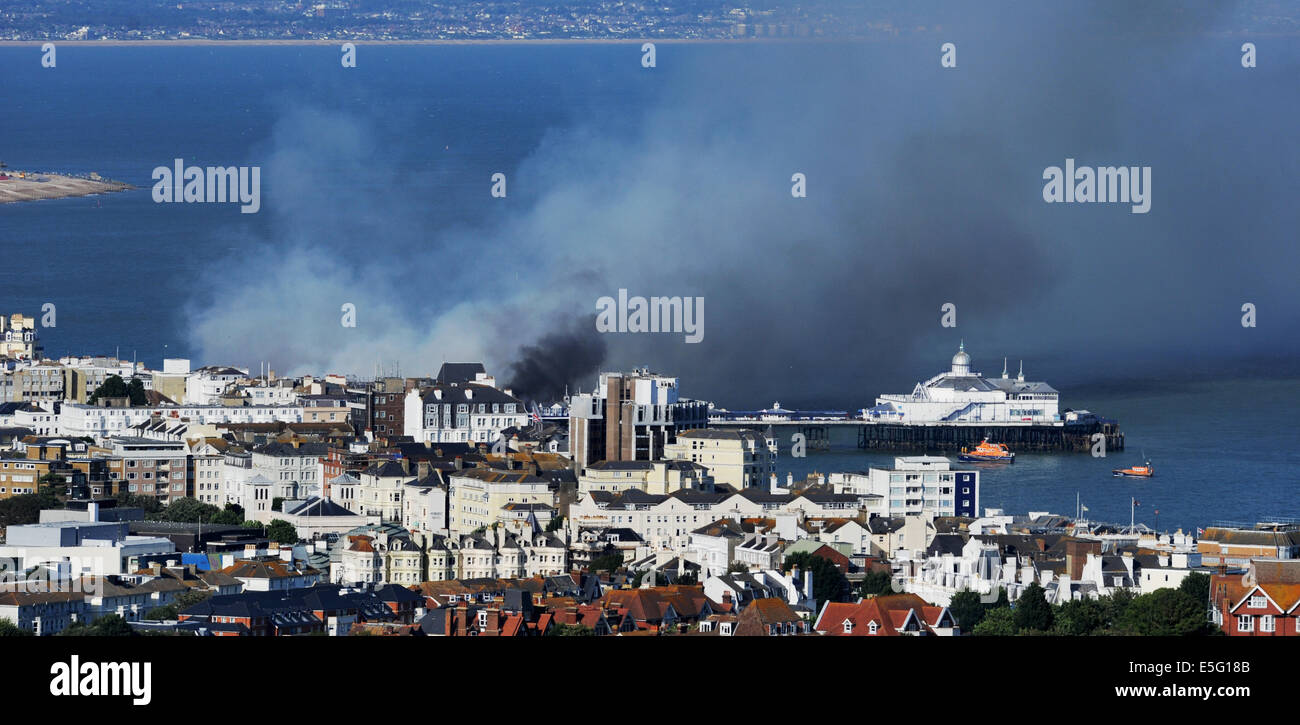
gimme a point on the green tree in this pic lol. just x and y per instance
(9, 629)
(875, 584)
(160, 613)
(1079, 617)
(112, 387)
(688, 578)
(608, 562)
(737, 567)
(277, 503)
(1032, 611)
(135, 391)
(189, 511)
(967, 608)
(150, 504)
(228, 517)
(1165, 613)
(115, 387)
(829, 582)
(1001, 601)
(555, 524)
(1197, 586)
(997, 622)
(109, 625)
(571, 630)
(25, 508)
(183, 601)
(1114, 606)
(51, 484)
(282, 531)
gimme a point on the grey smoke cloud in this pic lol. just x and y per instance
(924, 187)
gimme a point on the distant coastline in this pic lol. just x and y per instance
(19, 186)
(421, 41)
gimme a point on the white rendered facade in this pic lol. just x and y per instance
(964, 396)
(77, 420)
(916, 485)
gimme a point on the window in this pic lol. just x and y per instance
(848, 626)
(1257, 601)
(871, 628)
(1245, 623)
(1266, 623)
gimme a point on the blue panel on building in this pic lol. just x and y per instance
(201, 560)
(967, 493)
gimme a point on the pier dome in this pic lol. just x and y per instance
(961, 361)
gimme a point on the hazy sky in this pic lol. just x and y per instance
(924, 187)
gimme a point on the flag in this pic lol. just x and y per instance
(1200, 531)
(1157, 512)
(1085, 508)
(1137, 502)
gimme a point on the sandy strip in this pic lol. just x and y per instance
(53, 186)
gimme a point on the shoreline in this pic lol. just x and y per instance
(873, 37)
(42, 186)
(420, 41)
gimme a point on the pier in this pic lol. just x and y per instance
(1025, 438)
(920, 438)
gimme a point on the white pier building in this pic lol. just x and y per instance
(962, 396)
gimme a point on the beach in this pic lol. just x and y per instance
(18, 186)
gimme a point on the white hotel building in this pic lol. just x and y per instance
(461, 413)
(962, 396)
(915, 486)
(76, 420)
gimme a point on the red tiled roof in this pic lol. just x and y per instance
(890, 613)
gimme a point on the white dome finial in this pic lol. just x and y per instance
(961, 361)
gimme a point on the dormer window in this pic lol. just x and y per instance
(871, 628)
(848, 626)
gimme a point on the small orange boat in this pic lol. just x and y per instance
(987, 452)
(1146, 470)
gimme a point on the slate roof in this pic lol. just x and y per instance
(315, 507)
(459, 372)
(309, 449)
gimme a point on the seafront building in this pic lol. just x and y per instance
(737, 458)
(916, 485)
(653, 477)
(101, 421)
(961, 395)
(457, 412)
(18, 337)
(630, 417)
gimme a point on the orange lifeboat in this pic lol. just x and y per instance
(1145, 470)
(987, 452)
